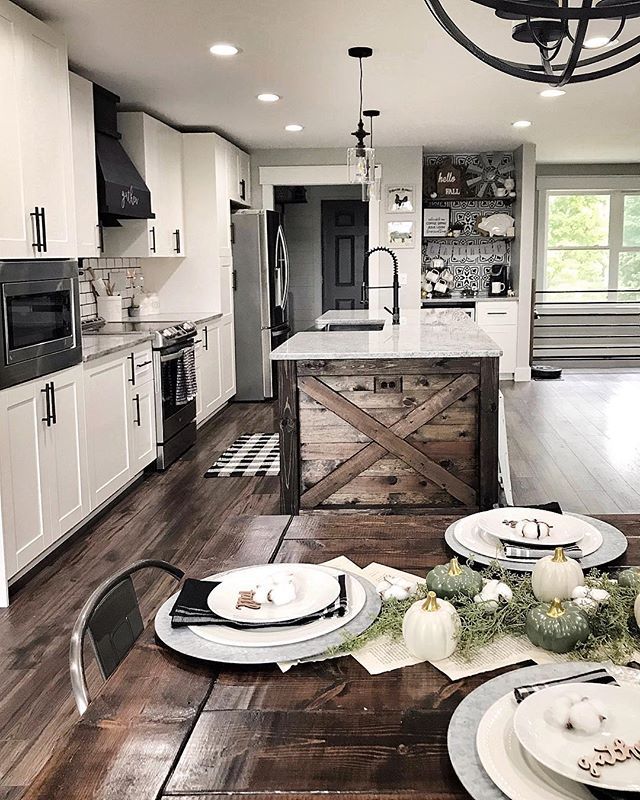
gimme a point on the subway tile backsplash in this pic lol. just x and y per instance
(104, 268)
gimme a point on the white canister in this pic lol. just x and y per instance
(110, 308)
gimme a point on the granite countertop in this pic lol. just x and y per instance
(105, 344)
(197, 317)
(426, 333)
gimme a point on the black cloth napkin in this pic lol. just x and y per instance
(191, 608)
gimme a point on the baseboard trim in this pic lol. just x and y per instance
(522, 374)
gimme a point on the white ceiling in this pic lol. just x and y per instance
(431, 92)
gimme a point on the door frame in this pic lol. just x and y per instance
(325, 175)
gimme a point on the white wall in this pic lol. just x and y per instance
(398, 165)
(523, 253)
(303, 228)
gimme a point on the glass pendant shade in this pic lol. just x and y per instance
(361, 164)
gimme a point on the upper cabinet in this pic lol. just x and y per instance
(36, 192)
(84, 167)
(156, 151)
(238, 176)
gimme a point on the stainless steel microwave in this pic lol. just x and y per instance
(40, 315)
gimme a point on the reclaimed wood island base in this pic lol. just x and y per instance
(389, 434)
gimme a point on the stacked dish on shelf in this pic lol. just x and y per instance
(566, 740)
(518, 537)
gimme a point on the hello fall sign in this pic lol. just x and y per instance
(449, 181)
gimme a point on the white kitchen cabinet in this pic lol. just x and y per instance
(156, 151)
(238, 175)
(37, 218)
(227, 357)
(208, 370)
(499, 320)
(84, 167)
(43, 468)
(120, 413)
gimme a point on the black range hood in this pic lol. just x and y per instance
(122, 193)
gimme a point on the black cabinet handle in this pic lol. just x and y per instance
(136, 400)
(54, 418)
(206, 337)
(152, 230)
(35, 216)
(234, 280)
(197, 341)
(47, 396)
(243, 189)
(132, 379)
(176, 233)
(143, 364)
(233, 233)
(44, 229)
(100, 238)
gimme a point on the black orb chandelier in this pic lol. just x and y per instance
(562, 34)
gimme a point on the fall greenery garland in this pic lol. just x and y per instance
(614, 633)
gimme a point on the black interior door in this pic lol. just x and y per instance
(345, 238)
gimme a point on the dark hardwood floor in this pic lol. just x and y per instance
(576, 441)
(171, 515)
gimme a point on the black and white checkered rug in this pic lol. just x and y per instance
(252, 454)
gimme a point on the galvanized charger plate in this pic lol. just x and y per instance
(182, 640)
(461, 736)
(614, 545)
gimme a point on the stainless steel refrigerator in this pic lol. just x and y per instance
(261, 265)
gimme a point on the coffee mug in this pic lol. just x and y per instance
(441, 286)
(446, 275)
(438, 263)
(497, 287)
(500, 192)
(432, 275)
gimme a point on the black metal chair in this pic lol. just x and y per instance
(112, 618)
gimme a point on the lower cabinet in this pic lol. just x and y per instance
(43, 466)
(121, 422)
(499, 320)
(215, 366)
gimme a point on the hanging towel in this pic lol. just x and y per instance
(186, 383)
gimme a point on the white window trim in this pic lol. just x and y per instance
(616, 188)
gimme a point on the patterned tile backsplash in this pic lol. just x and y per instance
(104, 268)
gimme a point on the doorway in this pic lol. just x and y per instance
(314, 219)
(345, 240)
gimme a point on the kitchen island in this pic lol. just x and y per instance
(390, 420)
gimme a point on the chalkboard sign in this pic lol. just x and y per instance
(449, 180)
(436, 222)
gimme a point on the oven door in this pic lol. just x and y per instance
(38, 319)
(171, 417)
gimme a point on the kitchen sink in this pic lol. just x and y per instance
(352, 326)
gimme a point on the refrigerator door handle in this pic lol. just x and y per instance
(282, 266)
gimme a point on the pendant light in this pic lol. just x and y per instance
(360, 159)
(371, 191)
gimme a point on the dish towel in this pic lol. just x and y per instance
(186, 382)
(525, 553)
(191, 608)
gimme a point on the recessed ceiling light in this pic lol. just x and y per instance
(268, 97)
(224, 49)
(521, 123)
(294, 127)
(596, 42)
(552, 92)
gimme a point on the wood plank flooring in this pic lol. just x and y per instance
(171, 515)
(577, 441)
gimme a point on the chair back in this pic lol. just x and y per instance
(111, 616)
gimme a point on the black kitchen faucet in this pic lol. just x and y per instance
(364, 291)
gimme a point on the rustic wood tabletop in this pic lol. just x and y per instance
(164, 727)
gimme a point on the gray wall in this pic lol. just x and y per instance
(303, 228)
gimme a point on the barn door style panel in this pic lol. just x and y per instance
(397, 435)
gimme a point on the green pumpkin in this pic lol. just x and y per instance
(630, 578)
(557, 626)
(451, 580)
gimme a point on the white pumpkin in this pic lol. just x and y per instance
(556, 576)
(431, 628)
(636, 610)
(532, 529)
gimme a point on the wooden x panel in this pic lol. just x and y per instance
(388, 440)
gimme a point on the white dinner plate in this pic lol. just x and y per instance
(511, 768)
(471, 536)
(560, 749)
(315, 590)
(275, 637)
(564, 528)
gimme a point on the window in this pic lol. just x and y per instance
(592, 245)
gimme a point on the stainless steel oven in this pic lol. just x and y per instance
(40, 319)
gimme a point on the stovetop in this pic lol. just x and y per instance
(166, 334)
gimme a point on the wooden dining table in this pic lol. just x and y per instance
(166, 727)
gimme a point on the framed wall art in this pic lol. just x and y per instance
(436, 222)
(401, 233)
(400, 199)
